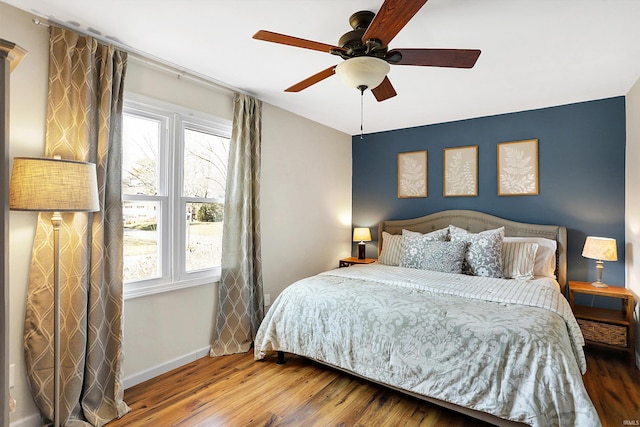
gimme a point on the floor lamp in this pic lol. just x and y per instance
(54, 185)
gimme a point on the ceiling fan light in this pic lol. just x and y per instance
(363, 71)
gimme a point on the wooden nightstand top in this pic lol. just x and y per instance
(611, 291)
(346, 262)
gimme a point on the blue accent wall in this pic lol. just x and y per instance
(581, 155)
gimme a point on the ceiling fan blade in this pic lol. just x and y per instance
(454, 58)
(318, 77)
(390, 19)
(269, 36)
(384, 90)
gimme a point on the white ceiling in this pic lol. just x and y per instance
(535, 53)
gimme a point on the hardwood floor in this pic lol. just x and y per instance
(236, 391)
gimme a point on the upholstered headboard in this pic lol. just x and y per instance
(475, 222)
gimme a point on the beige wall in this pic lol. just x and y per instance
(27, 127)
(305, 203)
(632, 199)
(306, 198)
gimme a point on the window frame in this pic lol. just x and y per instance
(172, 212)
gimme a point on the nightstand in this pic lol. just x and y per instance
(347, 262)
(601, 327)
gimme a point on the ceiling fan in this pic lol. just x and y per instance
(365, 50)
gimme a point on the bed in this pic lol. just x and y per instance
(503, 350)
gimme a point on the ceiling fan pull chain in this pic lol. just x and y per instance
(362, 88)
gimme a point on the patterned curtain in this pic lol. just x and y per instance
(241, 302)
(84, 121)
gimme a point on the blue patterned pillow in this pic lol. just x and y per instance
(445, 257)
(484, 253)
(413, 246)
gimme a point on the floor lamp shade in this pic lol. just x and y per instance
(54, 185)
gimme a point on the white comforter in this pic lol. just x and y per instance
(506, 347)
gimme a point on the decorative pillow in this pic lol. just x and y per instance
(445, 257)
(484, 251)
(413, 246)
(545, 264)
(440, 235)
(391, 252)
(518, 259)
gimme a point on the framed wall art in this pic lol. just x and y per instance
(460, 171)
(518, 168)
(412, 174)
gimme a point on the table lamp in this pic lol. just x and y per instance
(362, 235)
(600, 249)
(54, 185)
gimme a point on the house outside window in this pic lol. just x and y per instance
(174, 170)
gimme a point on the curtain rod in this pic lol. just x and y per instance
(155, 62)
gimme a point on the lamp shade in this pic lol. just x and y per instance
(600, 248)
(361, 235)
(364, 71)
(53, 185)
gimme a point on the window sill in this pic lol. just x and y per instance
(143, 289)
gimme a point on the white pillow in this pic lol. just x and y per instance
(545, 264)
(518, 259)
(391, 252)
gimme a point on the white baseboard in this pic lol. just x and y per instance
(31, 421)
(165, 367)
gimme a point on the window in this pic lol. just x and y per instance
(174, 170)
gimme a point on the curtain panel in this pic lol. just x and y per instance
(84, 121)
(241, 300)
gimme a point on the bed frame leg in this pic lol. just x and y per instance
(280, 360)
